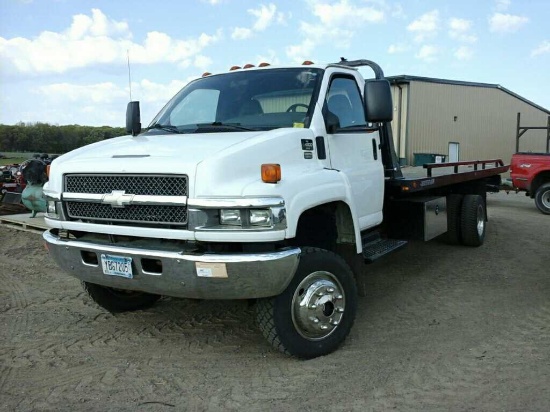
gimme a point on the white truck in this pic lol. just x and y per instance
(260, 183)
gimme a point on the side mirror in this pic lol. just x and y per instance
(332, 122)
(133, 119)
(378, 101)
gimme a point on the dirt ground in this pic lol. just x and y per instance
(441, 328)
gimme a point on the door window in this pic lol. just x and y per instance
(344, 101)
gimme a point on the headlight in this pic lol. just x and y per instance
(260, 217)
(245, 217)
(230, 217)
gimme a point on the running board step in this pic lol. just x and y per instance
(377, 248)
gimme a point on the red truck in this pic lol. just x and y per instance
(530, 172)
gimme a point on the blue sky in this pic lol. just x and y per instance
(65, 61)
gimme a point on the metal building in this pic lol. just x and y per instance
(461, 120)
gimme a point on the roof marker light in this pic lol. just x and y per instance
(248, 66)
(206, 74)
(307, 63)
(235, 68)
(263, 64)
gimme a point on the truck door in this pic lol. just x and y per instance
(354, 149)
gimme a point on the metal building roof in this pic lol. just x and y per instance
(407, 79)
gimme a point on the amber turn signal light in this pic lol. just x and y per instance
(271, 173)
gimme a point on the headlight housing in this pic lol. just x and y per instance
(246, 217)
(52, 208)
(230, 217)
(260, 217)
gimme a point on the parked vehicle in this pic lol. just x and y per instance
(11, 180)
(530, 172)
(259, 183)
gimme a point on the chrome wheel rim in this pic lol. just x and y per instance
(480, 220)
(546, 199)
(318, 305)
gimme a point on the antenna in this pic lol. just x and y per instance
(129, 74)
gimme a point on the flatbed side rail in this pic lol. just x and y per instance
(445, 174)
(455, 165)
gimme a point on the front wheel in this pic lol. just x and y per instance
(542, 198)
(315, 313)
(118, 300)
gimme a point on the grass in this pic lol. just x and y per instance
(11, 160)
(15, 157)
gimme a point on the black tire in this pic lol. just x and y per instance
(473, 220)
(454, 212)
(542, 198)
(118, 300)
(315, 313)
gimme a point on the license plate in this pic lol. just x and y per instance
(117, 266)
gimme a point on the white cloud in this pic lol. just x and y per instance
(271, 58)
(101, 103)
(107, 92)
(202, 62)
(460, 29)
(502, 5)
(427, 53)
(318, 33)
(212, 2)
(85, 94)
(343, 12)
(506, 23)
(336, 22)
(265, 17)
(464, 53)
(300, 52)
(542, 48)
(425, 26)
(151, 92)
(241, 33)
(397, 48)
(282, 18)
(93, 40)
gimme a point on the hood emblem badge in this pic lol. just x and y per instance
(117, 198)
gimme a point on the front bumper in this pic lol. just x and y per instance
(229, 276)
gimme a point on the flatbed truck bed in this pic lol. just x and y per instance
(438, 175)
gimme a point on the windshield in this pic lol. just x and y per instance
(242, 100)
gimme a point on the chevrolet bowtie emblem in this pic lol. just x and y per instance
(117, 198)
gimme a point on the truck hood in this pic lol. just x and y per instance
(158, 153)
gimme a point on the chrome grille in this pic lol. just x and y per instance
(148, 185)
(171, 215)
(159, 185)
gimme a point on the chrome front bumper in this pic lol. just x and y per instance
(205, 276)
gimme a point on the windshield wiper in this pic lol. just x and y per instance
(165, 127)
(232, 126)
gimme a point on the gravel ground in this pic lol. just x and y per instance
(441, 328)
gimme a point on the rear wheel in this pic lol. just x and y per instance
(118, 300)
(542, 198)
(314, 314)
(473, 220)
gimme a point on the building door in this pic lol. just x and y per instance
(454, 152)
